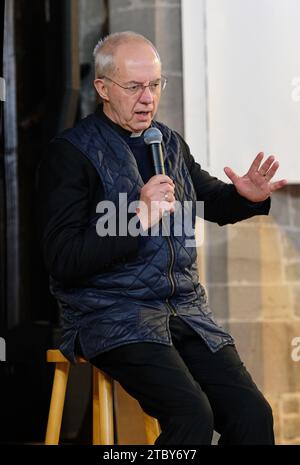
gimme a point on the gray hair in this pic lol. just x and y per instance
(104, 51)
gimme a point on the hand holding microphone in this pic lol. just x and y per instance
(157, 195)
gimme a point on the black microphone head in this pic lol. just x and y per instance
(153, 136)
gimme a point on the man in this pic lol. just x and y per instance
(133, 305)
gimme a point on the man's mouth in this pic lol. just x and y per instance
(143, 113)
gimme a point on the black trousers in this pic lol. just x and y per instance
(190, 390)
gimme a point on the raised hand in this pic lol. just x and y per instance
(256, 184)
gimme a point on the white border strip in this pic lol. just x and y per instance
(193, 16)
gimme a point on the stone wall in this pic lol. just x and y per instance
(253, 282)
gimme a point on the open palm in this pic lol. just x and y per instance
(256, 184)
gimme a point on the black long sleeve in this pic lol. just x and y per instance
(222, 203)
(69, 189)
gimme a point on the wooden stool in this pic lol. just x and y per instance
(103, 429)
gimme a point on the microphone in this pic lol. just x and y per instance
(153, 137)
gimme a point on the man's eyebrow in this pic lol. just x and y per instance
(133, 82)
(137, 82)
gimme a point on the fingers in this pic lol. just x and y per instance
(269, 174)
(278, 185)
(166, 185)
(266, 171)
(231, 174)
(168, 195)
(160, 188)
(256, 162)
(266, 165)
(161, 179)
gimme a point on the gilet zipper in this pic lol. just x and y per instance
(170, 276)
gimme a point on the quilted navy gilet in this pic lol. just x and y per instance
(133, 300)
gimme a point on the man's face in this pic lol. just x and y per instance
(135, 63)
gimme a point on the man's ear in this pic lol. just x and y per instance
(101, 88)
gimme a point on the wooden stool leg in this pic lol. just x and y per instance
(96, 409)
(152, 428)
(57, 403)
(105, 392)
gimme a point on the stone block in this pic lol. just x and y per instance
(288, 407)
(281, 373)
(280, 207)
(248, 338)
(244, 302)
(276, 301)
(265, 220)
(218, 301)
(295, 290)
(293, 442)
(294, 192)
(216, 253)
(265, 347)
(200, 232)
(275, 405)
(243, 242)
(290, 404)
(292, 271)
(253, 302)
(291, 243)
(245, 271)
(291, 427)
(243, 254)
(271, 256)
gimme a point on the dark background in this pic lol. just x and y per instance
(45, 82)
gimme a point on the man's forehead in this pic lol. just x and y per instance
(138, 70)
(135, 54)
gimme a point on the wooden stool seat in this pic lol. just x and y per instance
(55, 356)
(103, 429)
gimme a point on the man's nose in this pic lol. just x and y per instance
(146, 95)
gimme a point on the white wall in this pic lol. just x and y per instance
(241, 63)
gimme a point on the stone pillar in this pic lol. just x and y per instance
(92, 27)
(160, 22)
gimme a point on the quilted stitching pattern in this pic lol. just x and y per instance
(128, 303)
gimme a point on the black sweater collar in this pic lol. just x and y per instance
(123, 132)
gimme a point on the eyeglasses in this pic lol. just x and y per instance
(138, 88)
